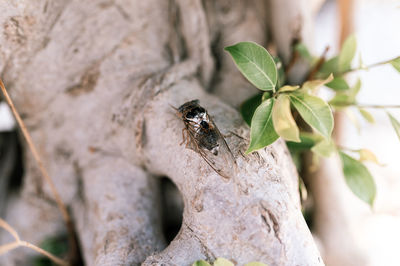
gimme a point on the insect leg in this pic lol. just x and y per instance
(184, 136)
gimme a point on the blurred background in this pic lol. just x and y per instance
(352, 234)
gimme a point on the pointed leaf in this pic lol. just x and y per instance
(345, 98)
(341, 100)
(255, 263)
(395, 124)
(266, 95)
(396, 63)
(282, 118)
(367, 115)
(353, 91)
(222, 262)
(347, 53)
(262, 131)
(308, 140)
(324, 148)
(201, 263)
(315, 84)
(288, 88)
(255, 63)
(280, 70)
(367, 155)
(315, 111)
(338, 84)
(353, 119)
(248, 107)
(301, 48)
(358, 178)
(328, 67)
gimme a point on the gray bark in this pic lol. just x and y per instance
(94, 81)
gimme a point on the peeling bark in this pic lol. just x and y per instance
(94, 81)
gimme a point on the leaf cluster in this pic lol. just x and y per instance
(271, 114)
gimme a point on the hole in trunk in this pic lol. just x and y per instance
(172, 209)
(18, 171)
(11, 165)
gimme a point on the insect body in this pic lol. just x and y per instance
(204, 137)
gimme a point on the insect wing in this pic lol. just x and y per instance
(223, 162)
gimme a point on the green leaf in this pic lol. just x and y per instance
(266, 95)
(222, 262)
(281, 72)
(354, 90)
(255, 263)
(308, 140)
(301, 48)
(315, 111)
(341, 100)
(201, 263)
(248, 108)
(313, 85)
(395, 124)
(347, 53)
(367, 115)
(396, 63)
(345, 98)
(262, 132)
(328, 67)
(338, 84)
(255, 63)
(353, 119)
(358, 178)
(282, 118)
(324, 148)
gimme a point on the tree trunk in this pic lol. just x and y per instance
(95, 82)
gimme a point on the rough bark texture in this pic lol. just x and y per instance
(94, 81)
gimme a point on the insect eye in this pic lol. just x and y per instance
(204, 124)
(200, 110)
(195, 112)
(191, 114)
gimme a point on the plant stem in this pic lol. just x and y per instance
(376, 106)
(370, 66)
(340, 147)
(372, 106)
(318, 65)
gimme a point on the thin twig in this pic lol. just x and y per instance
(340, 147)
(19, 243)
(35, 153)
(8, 247)
(44, 252)
(377, 106)
(369, 66)
(374, 106)
(60, 204)
(318, 65)
(9, 229)
(292, 62)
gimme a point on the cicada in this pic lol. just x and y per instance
(203, 136)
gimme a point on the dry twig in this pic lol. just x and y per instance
(45, 174)
(20, 243)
